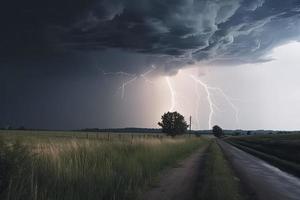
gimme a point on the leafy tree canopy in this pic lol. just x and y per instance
(217, 131)
(173, 123)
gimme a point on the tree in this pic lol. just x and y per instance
(217, 131)
(173, 123)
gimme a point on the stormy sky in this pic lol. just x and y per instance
(67, 64)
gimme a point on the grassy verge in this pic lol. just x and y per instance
(78, 169)
(283, 151)
(219, 181)
(285, 165)
(285, 147)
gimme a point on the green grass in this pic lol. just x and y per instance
(286, 147)
(282, 151)
(219, 181)
(40, 167)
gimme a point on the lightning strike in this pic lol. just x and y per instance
(197, 104)
(144, 75)
(172, 92)
(125, 84)
(209, 91)
(209, 95)
(209, 100)
(230, 102)
(133, 77)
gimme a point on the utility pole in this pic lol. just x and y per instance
(190, 124)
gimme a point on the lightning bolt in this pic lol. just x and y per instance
(172, 92)
(230, 102)
(144, 75)
(197, 104)
(133, 77)
(210, 92)
(125, 84)
(212, 106)
(209, 99)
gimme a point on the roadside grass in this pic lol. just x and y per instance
(75, 169)
(282, 151)
(219, 181)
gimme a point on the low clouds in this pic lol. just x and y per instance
(210, 31)
(168, 33)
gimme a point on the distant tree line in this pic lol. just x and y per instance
(8, 127)
(122, 130)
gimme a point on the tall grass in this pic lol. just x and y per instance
(86, 168)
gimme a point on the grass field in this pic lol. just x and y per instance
(280, 150)
(219, 181)
(61, 165)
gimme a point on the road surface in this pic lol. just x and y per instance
(265, 181)
(179, 183)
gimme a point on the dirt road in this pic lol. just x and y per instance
(179, 183)
(265, 181)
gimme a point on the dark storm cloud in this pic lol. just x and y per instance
(53, 52)
(168, 33)
(221, 32)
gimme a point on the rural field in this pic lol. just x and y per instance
(61, 165)
(42, 165)
(282, 151)
(80, 165)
